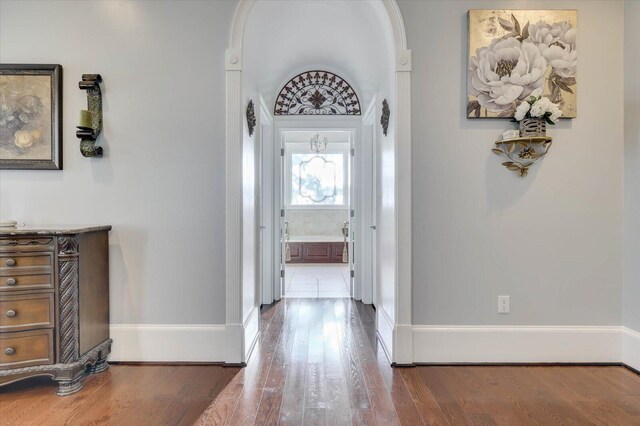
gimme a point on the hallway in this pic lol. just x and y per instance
(318, 363)
(317, 280)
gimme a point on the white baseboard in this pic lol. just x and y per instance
(431, 344)
(385, 331)
(167, 343)
(631, 348)
(403, 344)
(519, 344)
(251, 332)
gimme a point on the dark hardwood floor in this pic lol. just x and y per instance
(318, 362)
(123, 395)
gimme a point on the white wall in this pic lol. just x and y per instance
(314, 221)
(631, 295)
(161, 183)
(284, 38)
(553, 240)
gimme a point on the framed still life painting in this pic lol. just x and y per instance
(516, 53)
(30, 116)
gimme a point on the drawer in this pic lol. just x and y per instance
(26, 282)
(20, 263)
(28, 311)
(28, 244)
(26, 348)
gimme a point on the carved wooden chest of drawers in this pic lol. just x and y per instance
(54, 304)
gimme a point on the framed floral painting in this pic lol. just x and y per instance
(514, 53)
(30, 116)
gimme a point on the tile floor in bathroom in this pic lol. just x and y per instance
(315, 280)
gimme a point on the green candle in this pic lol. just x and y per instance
(86, 118)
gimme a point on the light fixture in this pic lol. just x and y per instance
(316, 145)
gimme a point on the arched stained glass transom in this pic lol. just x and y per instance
(317, 93)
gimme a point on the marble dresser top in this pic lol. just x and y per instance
(52, 230)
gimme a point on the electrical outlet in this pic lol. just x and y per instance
(503, 304)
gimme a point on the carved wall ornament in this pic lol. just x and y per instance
(384, 119)
(251, 117)
(317, 93)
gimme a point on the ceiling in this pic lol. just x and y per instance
(350, 38)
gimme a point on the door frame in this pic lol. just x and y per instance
(289, 123)
(396, 334)
(267, 231)
(368, 166)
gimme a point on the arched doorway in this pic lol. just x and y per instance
(394, 302)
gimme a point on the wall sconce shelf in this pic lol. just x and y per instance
(522, 152)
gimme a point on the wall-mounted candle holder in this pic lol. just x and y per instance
(91, 120)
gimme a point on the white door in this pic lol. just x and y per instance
(284, 231)
(265, 205)
(352, 219)
(373, 214)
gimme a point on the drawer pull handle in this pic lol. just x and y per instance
(11, 262)
(11, 281)
(11, 313)
(9, 351)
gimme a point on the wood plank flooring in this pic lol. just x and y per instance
(318, 363)
(123, 395)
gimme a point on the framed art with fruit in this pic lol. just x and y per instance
(30, 116)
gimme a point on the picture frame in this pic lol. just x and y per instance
(516, 53)
(31, 116)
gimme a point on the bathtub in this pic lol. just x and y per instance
(316, 238)
(316, 249)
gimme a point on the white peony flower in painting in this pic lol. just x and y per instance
(521, 53)
(505, 72)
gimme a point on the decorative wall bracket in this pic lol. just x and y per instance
(522, 152)
(251, 117)
(384, 119)
(88, 136)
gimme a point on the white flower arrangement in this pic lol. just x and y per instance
(537, 106)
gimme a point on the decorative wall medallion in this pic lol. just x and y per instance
(251, 117)
(317, 93)
(384, 119)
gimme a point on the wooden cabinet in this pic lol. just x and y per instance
(316, 252)
(54, 304)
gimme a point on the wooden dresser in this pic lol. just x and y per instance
(54, 304)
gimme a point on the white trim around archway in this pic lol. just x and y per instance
(240, 336)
